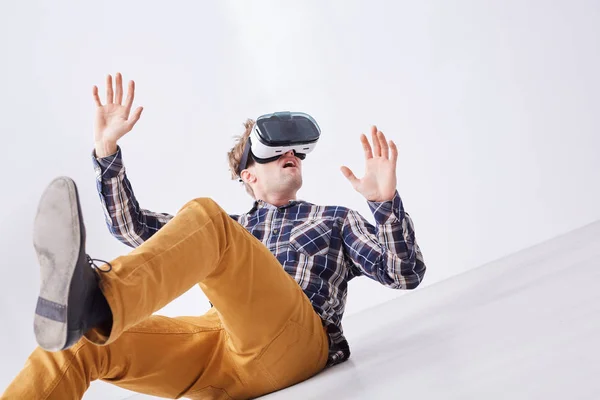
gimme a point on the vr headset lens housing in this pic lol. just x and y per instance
(281, 132)
(275, 134)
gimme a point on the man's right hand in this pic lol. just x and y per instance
(112, 120)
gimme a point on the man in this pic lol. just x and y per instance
(276, 276)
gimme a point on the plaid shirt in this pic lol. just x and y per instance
(321, 247)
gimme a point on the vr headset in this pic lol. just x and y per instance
(275, 134)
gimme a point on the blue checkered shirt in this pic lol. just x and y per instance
(321, 247)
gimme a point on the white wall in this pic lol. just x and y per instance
(492, 106)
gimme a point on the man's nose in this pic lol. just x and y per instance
(290, 153)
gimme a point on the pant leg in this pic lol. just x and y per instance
(165, 357)
(272, 330)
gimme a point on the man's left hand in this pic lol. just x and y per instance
(379, 182)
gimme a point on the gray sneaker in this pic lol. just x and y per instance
(70, 301)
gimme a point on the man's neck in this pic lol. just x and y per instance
(276, 199)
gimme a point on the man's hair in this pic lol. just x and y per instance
(237, 151)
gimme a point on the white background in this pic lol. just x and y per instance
(493, 105)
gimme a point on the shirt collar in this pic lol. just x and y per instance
(258, 204)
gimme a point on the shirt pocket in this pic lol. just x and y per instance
(312, 237)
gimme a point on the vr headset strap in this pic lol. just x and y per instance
(244, 160)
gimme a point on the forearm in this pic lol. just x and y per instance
(126, 220)
(387, 252)
(401, 259)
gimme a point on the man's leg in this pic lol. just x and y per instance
(165, 357)
(273, 332)
(161, 356)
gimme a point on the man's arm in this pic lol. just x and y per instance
(387, 252)
(125, 219)
(114, 119)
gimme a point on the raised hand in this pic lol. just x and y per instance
(113, 120)
(379, 182)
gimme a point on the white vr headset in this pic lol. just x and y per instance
(275, 134)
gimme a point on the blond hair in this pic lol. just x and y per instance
(236, 153)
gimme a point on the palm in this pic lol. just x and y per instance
(110, 123)
(113, 119)
(379, 181)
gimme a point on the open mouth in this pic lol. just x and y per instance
(289, 164)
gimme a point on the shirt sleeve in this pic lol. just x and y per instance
(126, 221)
(387, 252)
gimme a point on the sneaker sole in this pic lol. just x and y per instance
(58, 240)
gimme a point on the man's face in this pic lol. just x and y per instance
(280, 176)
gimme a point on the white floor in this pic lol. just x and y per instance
(525, 327)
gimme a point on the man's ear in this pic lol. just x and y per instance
(248, 176)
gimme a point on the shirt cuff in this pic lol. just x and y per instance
(387, 212)
(109, 167)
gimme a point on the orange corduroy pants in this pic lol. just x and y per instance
(262, 334)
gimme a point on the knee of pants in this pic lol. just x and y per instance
(205, 203)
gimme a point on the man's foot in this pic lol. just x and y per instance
(70, 301)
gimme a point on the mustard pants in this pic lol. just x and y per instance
(261, 336)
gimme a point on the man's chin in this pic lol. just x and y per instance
(293, 182)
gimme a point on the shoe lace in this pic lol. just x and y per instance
(92, 262)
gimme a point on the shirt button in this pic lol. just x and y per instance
(276, 231)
